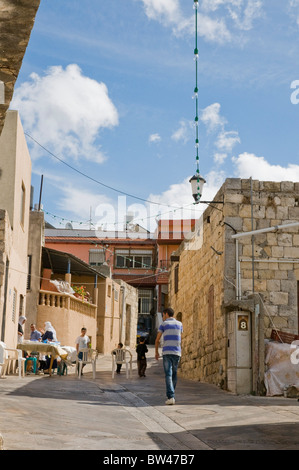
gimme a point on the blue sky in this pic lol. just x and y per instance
(107, 87)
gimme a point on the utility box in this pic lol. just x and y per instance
(239, 362)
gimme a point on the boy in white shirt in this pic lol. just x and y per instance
(82, 342)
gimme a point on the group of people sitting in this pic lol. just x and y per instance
(46, 335)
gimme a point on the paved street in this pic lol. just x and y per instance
(48, 413)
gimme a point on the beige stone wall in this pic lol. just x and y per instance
(69, 321)
(108, 316)
(128, 314)
(117, 315)
(15, 176)
(275, 279)
(7, 325)
(35, 243)
(200, 270)
(209, 259)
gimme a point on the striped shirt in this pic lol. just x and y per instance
(171, 330)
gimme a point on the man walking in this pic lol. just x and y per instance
(171, 330)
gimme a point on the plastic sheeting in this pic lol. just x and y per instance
(63, 286)
(281, 366)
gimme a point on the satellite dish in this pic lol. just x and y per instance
(69, 226)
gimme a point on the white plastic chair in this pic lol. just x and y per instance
(11, 359)
(2, 359)
(122, 356)
(89, 356)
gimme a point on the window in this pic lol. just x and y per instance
(96, 257)
(14, 305)
(145, 300)
(29, 263)
(22, 208)
(133, 259)
(176, 279)
(21, 305)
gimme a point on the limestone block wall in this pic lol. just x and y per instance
(202, 287)
(275, 273)
(196, 294)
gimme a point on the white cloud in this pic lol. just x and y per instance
(183, 132)
(210, 116)
(220, 157)
(212, 29)
(65, 111)
(249, 165)
(166, 11)
(226, 140)
(244, 18)
(242, 12)
(294, 10)
(79, 202)
(154, 138)
(169, 13)
(179, 195)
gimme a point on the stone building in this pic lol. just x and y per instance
(15, 183)
(17, 21)
(235, 280)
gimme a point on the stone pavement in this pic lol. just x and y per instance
(120, 414)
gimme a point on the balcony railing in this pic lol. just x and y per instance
(66, 301)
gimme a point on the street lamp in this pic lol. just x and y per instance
(197, 183)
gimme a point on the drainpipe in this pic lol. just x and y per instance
(123, 290)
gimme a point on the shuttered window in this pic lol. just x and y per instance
(96, 257)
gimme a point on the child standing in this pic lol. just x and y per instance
(141, 350)
(82, 342)
(119, 365)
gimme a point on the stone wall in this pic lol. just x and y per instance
(203, 283)
(17, 20)
(274, 275)
(198, 299)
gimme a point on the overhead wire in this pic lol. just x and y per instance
(93, 179)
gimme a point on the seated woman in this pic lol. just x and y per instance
(48, 335)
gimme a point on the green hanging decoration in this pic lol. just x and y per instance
(196, 181)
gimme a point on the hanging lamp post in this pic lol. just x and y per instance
(197, 181)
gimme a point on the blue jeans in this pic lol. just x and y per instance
(170, 364)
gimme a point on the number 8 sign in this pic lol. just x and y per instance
(243, 322)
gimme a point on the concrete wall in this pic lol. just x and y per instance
(15, 178)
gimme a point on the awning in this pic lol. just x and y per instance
(61, 263)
